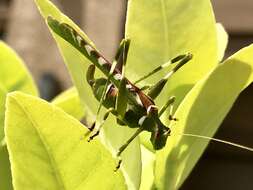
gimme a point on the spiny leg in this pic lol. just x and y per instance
(121, 101)
(124, 146)
(156, 89)
(100, 106)
(101, 124)
(90, 74)
(120, 107)
(163, 66)
(147, 120)
(160, 132)
(105, 87)
(171, 117)
(114, 64)
(123, 49)
(168, 104)
(91, 80)
(121, 54)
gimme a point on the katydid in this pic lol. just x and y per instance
(120, 96)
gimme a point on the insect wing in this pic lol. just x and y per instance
(69, 34)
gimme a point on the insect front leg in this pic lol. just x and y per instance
(121, 54)
(90, 74)
(125, 145)
(102, 98)
(110, 110)
(122, 99)
(91, 80)
(121, 102)
(169, 104)
(119, 62)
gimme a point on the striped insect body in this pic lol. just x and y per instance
(121, 97)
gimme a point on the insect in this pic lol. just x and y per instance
(120, 96)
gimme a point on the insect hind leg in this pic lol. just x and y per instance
(156, 89)
(163, 66)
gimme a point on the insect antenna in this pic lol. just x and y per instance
(217, 140)
(170, 102)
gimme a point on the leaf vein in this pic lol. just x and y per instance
(46, 146)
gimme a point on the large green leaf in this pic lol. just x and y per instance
(161, 30)
(14, 76)
(69, 101)
(201, 112)
(47, 150)
(77, 64)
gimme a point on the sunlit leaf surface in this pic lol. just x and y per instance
(202, 112)
(47, 149)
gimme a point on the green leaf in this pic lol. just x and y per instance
(148, 162)
(14, 76)
(201, 113)
(113, 135)
(162, 30)
(47, 150)
(222, 40)
(69, 101)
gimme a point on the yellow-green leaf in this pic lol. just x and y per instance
(161, 30)
(47, 149)
(14, 76)
(201, 113)
(69, 101)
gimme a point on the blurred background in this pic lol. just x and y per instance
(221, 167)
